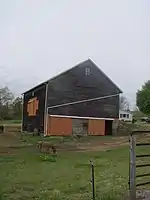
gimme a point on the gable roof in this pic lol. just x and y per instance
(120, 91)
(68, 70)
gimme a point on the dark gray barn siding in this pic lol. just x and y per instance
(75, 85)
(100, 109)
(31, 122)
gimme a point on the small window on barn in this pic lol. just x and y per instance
(124, 115)
(121, 116)
(127, 115)
(87, 71)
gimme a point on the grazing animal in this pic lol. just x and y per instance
(1, 128)
(47, 146)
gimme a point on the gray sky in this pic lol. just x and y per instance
(40, 38)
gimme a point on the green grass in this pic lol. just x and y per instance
(30, 175)
(10, 121)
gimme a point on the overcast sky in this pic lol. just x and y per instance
(40, 38)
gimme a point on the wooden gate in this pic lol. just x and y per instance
(133, 164)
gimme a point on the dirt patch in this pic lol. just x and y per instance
(102, 146)
(11, 143)
(93, 145)
(140, 195)
(6, 151)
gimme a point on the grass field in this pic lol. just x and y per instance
(11, 122)
(25, 173)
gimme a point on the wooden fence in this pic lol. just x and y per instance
(133, 177)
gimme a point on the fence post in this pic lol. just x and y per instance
(132, 175)
(92, 180)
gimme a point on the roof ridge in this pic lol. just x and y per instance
(69, 69)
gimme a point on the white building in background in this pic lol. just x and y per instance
(125, 115)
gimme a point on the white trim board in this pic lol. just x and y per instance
(82, 101)
(77, 117)
(45, 110)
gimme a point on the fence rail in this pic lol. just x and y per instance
(141, 184)
(142, 175)
(133, 165)
(143, 144)
(143, 165)
(143, 156)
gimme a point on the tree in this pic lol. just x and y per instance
(10, 107)
(143, 98)
(17, 108)
(124, 104)
(137, 114)
(6, 98)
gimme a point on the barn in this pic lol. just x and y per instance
(81, 100)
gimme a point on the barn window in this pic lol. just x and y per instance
(87, 71)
